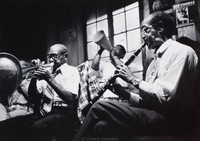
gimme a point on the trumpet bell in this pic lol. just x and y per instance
(100, 39)
(10, 74)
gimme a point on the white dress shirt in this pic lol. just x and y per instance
(172, 72)
(68, 77)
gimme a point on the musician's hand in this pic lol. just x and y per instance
(42, 73)
(124, 72)
(115, 59)
(36, 62)
(113, 54)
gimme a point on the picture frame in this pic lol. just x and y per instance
(184, 13)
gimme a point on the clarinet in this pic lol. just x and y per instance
(111, 81)
(135, 54)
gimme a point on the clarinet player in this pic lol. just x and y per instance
(159, 106)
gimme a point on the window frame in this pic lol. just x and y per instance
(111, 35)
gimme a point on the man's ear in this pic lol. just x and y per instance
(160, 27)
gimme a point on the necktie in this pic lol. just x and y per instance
(47, 102)
(56, 73)
(42, 103)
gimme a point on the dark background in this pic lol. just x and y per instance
(24, 25)
(29, 27)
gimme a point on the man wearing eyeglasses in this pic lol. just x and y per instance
(60, 87)
(54, 116)
(165, 102)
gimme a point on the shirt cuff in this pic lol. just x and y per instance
(143, 85)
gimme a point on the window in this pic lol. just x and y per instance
(123, 23)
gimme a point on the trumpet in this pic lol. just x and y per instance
(26, 70)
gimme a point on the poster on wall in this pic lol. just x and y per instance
(184, 13)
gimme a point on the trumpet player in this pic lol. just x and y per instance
(64, 84)
(53, 115)
(164, 103)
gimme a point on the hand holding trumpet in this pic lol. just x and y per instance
(38, 69)
(37, 62)
(42, 73)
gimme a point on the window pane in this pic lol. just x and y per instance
(91, 50)
(119, 23)
(101, 13)
(134, 39)
(132, 6)
(103, 25)
(126, 28)
(118, 11)
(91, 30)
(120, 39)
(133, 20)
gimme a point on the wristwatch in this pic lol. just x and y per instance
(136, 82)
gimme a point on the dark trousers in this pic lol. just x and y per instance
(118, 120)
(59, 123)
(18, 128)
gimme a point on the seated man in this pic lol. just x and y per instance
(53, 116)
(95, 74)
(165, 102)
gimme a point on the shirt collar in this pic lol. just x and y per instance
(62, 68)
(161, 50)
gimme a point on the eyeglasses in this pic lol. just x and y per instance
(55, 56)
(147, 29)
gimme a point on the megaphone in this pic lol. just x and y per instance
(100, 39)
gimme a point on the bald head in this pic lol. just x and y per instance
(119, 51)
(58, 48)
(160, 19)
(58, 55)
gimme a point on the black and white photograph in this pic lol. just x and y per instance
(99, 70)
(184, 12)
(182, 16)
